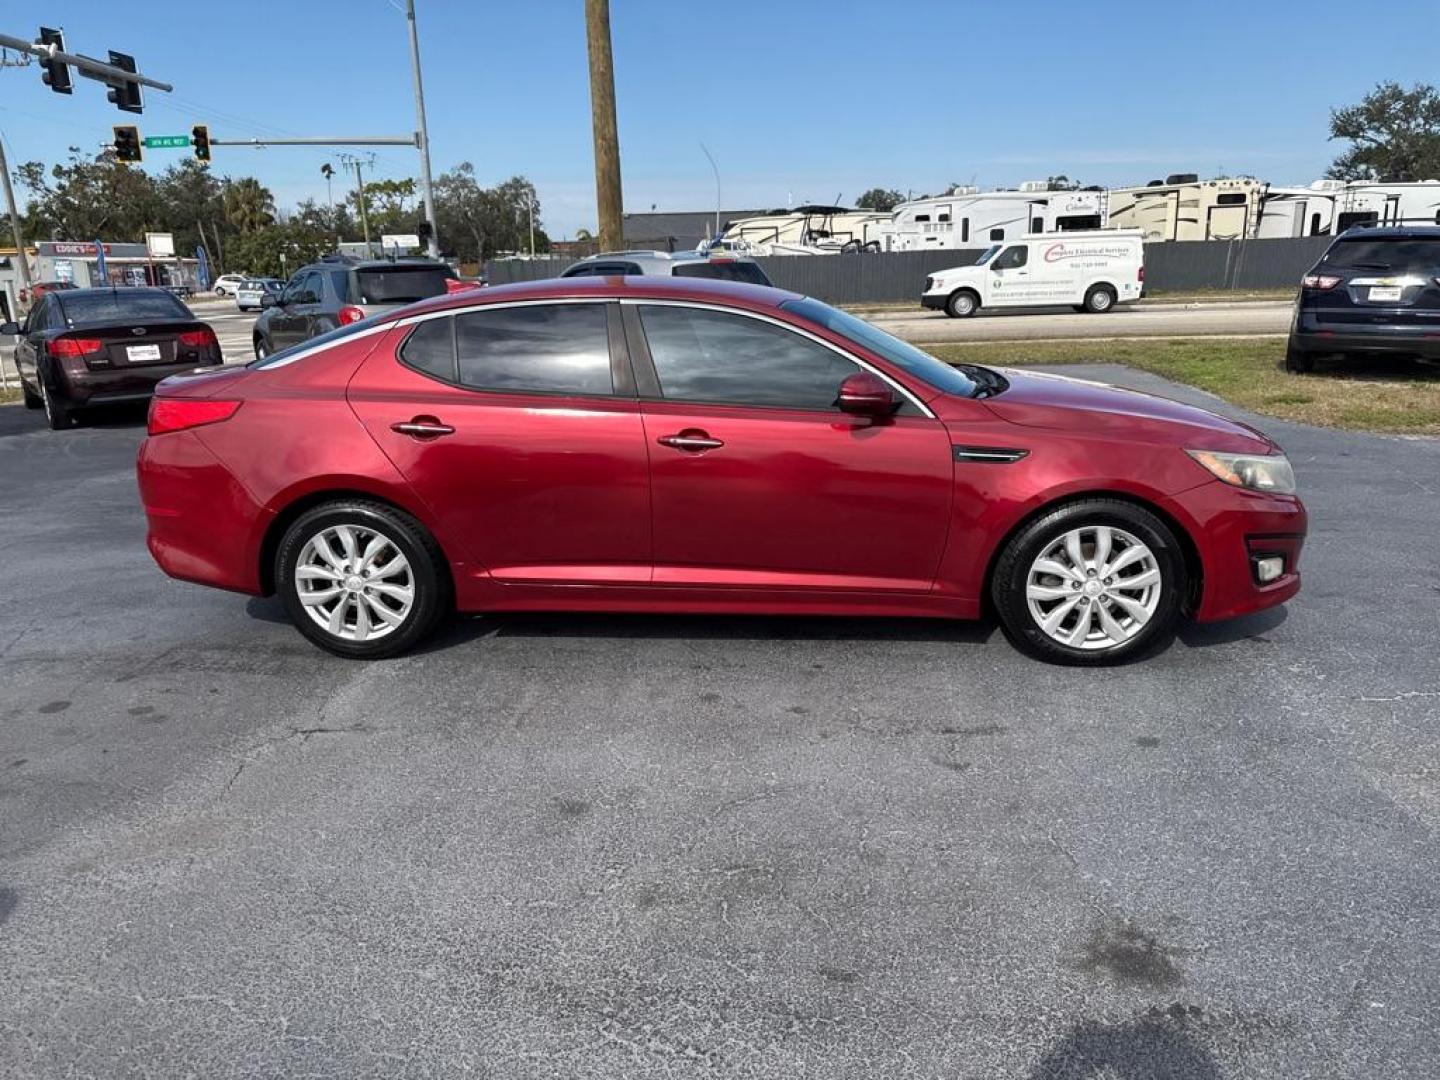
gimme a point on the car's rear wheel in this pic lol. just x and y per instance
(1297, 360)
(57, 414)
(962, 304)
(32, 399)
(1100, 299)
(1096, 581)
(361, 579)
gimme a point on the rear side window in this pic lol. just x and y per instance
(724, 270)
(1408, 256)
(535, 348)
(430, 348)
(399, 284)
(119, 305)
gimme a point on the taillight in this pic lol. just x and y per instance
(64, 347)
(1319, 281)
(350, 314)
(176, 414)
(1140, 273)
(204, 338)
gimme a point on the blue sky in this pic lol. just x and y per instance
(800, 101)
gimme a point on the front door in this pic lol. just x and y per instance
(519, 428)
(288, 319)
(1010, 278)
(758, 481)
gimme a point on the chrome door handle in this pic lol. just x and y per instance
(423, 427)
(693, 443)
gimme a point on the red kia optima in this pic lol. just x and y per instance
(680, 445)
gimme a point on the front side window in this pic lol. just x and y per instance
(1011, 258)
(535, 348)
(721, 358)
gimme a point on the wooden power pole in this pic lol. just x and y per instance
(607, 139)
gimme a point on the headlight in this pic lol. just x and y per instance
(1258, 472)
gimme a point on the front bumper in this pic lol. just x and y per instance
(934, 301)
(1233, 529)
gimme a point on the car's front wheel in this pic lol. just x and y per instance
(361, 579)
(262, 350)
(1096, 581)
(962, 304)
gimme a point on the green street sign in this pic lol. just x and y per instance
(162, 142)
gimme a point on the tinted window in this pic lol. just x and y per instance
(550, 348)
(340, 282)
(997, 234)
(724, 270)
(119, 305)
(431, 348)
(399, 284)
(1011, 258)
(1230, 199)
(730, 359)
(900, 353)
(312, 289)
(338, 334)
(1410, 256)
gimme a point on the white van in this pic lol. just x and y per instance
(1093, 271)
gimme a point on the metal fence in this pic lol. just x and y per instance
(1176, 266)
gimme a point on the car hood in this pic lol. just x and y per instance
(1058, 402)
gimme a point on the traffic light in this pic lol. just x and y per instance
(127, 142)
(53, 73)
(200, 140)
(125, 95)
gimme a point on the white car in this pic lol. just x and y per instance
(252, 291)
(226, 284)
(1091, 270)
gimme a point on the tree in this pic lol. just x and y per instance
(89, 198)
(1394, 135)
(249, 206)
(260, 251)
(1062, 183)
(881, 199)
(193, 206)
(476, 222)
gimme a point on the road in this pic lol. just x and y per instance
(562, 846)
(1253, 318)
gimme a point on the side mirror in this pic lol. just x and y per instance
(268, 300)
(864, 394)
(12, 329)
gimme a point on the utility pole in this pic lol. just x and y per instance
(530, 204)
(422, 133)
(602, 117)
(20, 264)
(349, 159)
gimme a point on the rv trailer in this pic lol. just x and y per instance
(1184, 207)
(1364, 203)
(806, 230)
(970, 218)
(1298, 211)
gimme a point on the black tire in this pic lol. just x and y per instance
(1009, 582)
(262, 350)
(1099, 299)
(1297, 360)
(962, 304)
(57, 415)
(429, 575)
(32, 399)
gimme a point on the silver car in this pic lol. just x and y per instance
(250, 292)
(722, 267)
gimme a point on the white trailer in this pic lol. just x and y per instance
(1298, 211)
(970, 218)
(806, 230)
(1184, 207)
(1363, 203)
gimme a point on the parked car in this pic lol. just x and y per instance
(226, 284)
(80, 348)
(1375, 292)
(252, 292)
(40, 288)
(653, 444)
(337, 291)
(1090, 271)
(717, 267)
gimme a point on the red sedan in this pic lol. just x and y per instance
(663, 444)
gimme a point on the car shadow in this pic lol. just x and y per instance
(1245, 628)
(1158, 1046)
(1379, 368)
(15, 419)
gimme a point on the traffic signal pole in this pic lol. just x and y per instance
(22, 267)
(86, 65)
(422, 133)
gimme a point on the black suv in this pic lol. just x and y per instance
(1374, 291)
(339, 290)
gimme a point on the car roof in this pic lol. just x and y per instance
(656, 256)
(732, 293)
(1392, 232)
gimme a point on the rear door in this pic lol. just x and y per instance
(518, 426)
(758, 481)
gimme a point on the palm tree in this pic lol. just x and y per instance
(249, 206)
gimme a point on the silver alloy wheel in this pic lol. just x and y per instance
(963, 304)
(354, 582)
(1100, 300)
(1094, 587)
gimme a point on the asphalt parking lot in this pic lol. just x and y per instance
(562, 846)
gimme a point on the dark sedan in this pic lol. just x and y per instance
(80, 348)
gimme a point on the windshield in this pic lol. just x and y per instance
(1413, 255)
(284, 356)
(900, 353)
(400, 284)
(988, 254)
(120, 305)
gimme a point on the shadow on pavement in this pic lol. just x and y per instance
(1155, 1047)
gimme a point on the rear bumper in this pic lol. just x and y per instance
(108, 386)
(1233, 529)
(1383, 341)
(201, 521)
